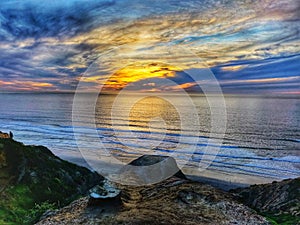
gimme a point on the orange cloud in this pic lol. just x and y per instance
(134, 73)
(2, 83)
(184, 86)
(25, 85)
(36, 84)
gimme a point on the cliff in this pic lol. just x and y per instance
(174, 201)
(32, 180)
(279, 201)
(180, 201)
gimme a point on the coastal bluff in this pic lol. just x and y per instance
(280, 201)
(33, 179)
(174, 201)
(37, 187)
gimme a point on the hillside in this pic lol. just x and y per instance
(279, 201)
(32, 180)
(175, 201)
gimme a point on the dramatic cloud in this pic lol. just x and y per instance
(48, 46)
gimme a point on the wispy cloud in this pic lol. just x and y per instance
(57, 41)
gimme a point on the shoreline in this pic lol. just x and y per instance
(222, 181)
(220, 184)
(208, 177)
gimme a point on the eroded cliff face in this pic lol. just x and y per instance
(279, 200)
(173, 201)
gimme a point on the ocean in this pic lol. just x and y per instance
(261, 142)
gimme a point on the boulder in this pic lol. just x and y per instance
(168, 165)
(104, 193)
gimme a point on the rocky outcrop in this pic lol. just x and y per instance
(5, 135)
(104, 193)
(278, 200)
(165, 164)
(173, 201)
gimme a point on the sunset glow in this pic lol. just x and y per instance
(238, 41)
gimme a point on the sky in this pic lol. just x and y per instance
(250, 46)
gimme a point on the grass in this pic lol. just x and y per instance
(15, 204)
(18, 207)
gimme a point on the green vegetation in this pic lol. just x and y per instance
(33, 180)
(18, 207)
(283, 219)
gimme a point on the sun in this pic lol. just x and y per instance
(139, 71)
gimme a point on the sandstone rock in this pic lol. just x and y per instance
(4, 135)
